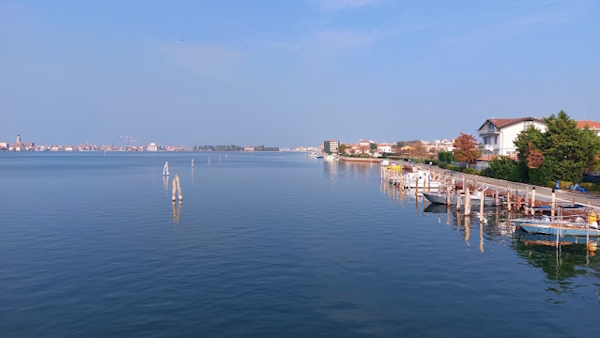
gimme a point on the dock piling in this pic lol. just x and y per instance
(533, 201)
(481, 204)
(553, 201)
(166, 169)
(467, 202)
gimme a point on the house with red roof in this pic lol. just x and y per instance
(592, 125)
(498, 135)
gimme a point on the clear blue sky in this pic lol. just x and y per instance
(289, 73)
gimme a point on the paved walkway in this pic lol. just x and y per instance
(546, 193)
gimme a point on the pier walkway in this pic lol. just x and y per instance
(546, 193)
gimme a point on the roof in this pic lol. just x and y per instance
(591, 124)
(501, 123)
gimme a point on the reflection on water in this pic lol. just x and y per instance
(177, 212)
(561, 265)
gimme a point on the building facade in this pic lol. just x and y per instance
(21, 146)
(331, 146)
(498, 135)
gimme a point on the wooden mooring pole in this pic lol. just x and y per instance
(467, 202)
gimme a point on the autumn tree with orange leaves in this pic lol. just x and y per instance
(465, 148)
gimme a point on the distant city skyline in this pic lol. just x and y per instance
(289, 73)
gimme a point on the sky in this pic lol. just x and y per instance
(289, 73)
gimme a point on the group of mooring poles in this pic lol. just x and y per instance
(176, 183)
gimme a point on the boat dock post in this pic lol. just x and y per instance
(177, 188)
(166, 169)
(192, 163)
(533, 201)
(553, 202)
(467, 201)
(481, 205)
(416, 186)
(526, 199)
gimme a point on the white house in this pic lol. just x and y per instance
(592, 125)
(383, 148)
(498, 135)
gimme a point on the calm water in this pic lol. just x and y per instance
(264, 245)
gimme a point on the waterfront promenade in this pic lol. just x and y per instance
(543, 192)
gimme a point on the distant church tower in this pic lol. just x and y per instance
(18, 138)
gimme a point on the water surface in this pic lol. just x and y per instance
(264, 245)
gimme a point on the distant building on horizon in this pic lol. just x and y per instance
(152, 147)
(331, 146)
(21, 146)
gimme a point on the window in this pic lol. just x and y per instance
(490, 127)
(495, 139)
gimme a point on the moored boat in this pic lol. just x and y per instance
(422, 178)
(475, 199)
(559, 226)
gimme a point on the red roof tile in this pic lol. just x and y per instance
(591, 124)
(500, 123)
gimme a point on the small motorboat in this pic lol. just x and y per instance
(560, 226)
(475, 199)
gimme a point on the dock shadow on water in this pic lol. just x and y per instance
(566, 266)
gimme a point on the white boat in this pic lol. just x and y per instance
(475, 199)
(385, 163)
(421, 177)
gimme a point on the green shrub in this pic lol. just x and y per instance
(471, 171)
(543, 174)
(505, 169)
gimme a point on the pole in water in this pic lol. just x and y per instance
(166, 169)
(192, 163)
(176, 188)
(209, 159)
(553, 201)
(179, 190)
(467, 201)
(532, 201)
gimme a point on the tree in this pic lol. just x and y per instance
(534, 158)
(419, 149)
(563, 152)
(342, 148)
(465, 148)
(373, 147)
(504, 168)
(445, 156)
